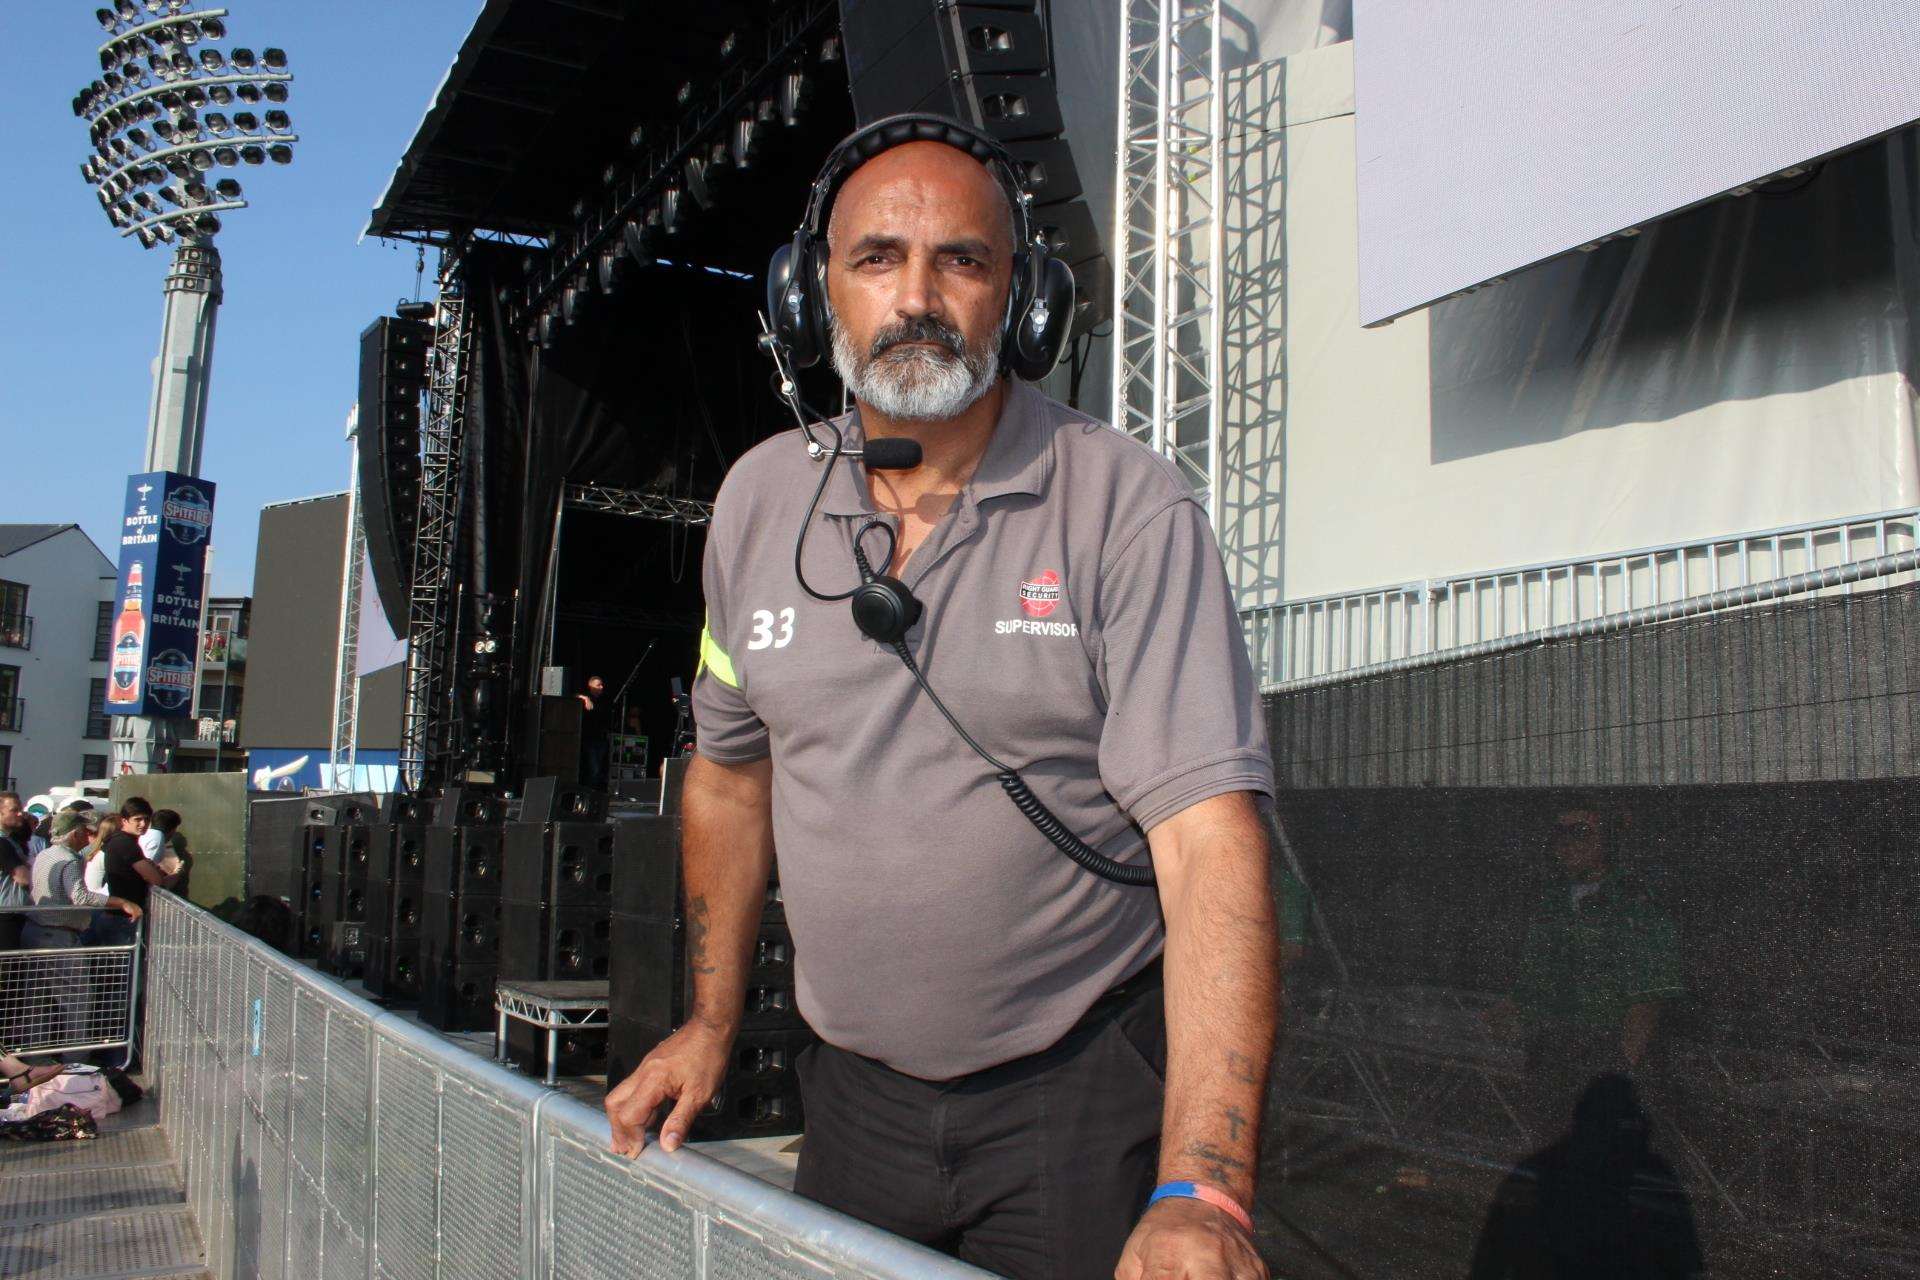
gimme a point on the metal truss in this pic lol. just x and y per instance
(346, 677)
(432, 600)
(644, 504)
(1169, 237)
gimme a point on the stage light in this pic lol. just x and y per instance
(637, 138)
(796, 91)
(729, 44)
(696, 171)
(612, 264)
(609, 175)
(684, 94)
(672, 202)
(830, 50)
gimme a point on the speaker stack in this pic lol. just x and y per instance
(556, 923)
(652, 988)
(393, 375)
(989, 64)
(343, 895)
(460, 916)
(396, 905)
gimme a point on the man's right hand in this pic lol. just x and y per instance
(687, 1066)
(132, 910)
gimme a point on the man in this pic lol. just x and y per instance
(993, 1021)
(18, 844)
(1600, 959)
(130, 874)
(596, 728)
(57, 881)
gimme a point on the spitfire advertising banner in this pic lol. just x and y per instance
(156, 623)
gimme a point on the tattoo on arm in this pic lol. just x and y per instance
(1240, 1067)
(697, 937)
(1236, 1121)
(1221, 1167)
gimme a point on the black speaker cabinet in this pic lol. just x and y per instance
(276, 836)
(542, 941)
(346, 950)
(557, 750)
(758, 1097)
(550, 800)
(457, 997)
(562, 862)
(465, 807)
(582, 1053)
(652, 986)
(462, 931)
(463, 861)
(646, 868)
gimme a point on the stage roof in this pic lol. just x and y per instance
(541, 95)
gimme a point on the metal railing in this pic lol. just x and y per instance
(320, 1135)
(1345, 632)
(13, 714)
(58, 1001)
(16, 631)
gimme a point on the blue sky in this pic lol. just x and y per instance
(80, 308)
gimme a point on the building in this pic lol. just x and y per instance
(209, 743)
(56, 621)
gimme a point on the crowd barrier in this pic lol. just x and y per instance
(65, 1001)
(320, 1135)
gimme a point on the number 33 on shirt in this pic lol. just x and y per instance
(770, 632)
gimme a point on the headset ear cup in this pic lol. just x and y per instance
(790, 308)
(1040, 328)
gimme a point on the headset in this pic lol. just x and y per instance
(1039, 314)
(1039, 304)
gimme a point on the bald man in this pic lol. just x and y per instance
(1007, 1066)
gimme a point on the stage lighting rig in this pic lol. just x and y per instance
(159, 70)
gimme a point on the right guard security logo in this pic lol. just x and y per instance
(1040, 595)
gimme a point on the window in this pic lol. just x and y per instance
(6, 769)
(16, 628)
(13, 708)
(93, 766)
(98, 725)
(103, 635)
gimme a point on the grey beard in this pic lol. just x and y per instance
(916, 384)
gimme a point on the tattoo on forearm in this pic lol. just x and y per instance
(1236, 1121)
(1219, 1166)
(1240, 1067)
(697, 936)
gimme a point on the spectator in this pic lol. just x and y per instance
(18, 844)
(173, 852)
(59, 879)
(96, 874)
(130, 875)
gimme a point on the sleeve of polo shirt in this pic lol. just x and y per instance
(1183, 713)
(726, 730)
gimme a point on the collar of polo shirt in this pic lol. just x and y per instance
(1019, 458)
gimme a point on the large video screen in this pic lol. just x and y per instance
(1494, 134)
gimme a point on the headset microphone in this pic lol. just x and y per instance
(891, 453)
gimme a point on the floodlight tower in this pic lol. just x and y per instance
(169, 110)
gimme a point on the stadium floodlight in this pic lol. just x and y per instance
(218, 124)
(274, 59)
(279, 122)
(246, 122)
(108, 19)
(253, 155)
(241, 59)
(226, 157)
(280, 153)
(212, 61)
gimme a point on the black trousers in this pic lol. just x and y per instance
(1035, 1169)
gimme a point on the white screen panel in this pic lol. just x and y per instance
(1494, 134)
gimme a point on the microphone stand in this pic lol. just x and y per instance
(620, 698)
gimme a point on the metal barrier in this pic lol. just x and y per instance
(320, 1135)
(1347, 631)
(56, 1001)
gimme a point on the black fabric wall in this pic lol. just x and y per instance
(1800, 690)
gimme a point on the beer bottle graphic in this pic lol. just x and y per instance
(129, 639)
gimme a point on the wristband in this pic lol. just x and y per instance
(1201, 1191)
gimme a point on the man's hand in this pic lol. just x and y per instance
(688, 1066)
(132, 910)
(1183, 1239)
(22, 877)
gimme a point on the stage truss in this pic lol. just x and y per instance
(1169, 238)
(346, 677)
(432, 600)
(641, 504)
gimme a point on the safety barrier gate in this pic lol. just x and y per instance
(320, 1135)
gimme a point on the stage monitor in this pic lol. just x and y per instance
(1494, 134)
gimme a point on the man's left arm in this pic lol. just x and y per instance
(1222, 977)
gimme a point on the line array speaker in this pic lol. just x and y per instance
(393, 374)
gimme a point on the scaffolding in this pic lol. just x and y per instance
(1169, 238)
(346, 672)
(431, 599)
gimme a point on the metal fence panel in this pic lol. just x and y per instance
(320, 1136)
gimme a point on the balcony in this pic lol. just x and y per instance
(13, 714)
(209, 733)
(16, 631)
(219, 649)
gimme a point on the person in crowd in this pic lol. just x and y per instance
(1599, 961)
(1007, 1064)
(130, 874)
(174, 853)
(107, 826)
(18, 843)
(596, 728)
(58, 881)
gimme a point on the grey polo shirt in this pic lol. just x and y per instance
(1078, 623)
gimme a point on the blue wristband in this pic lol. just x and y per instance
(1207, 1195)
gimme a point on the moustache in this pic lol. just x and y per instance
(925, 329)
